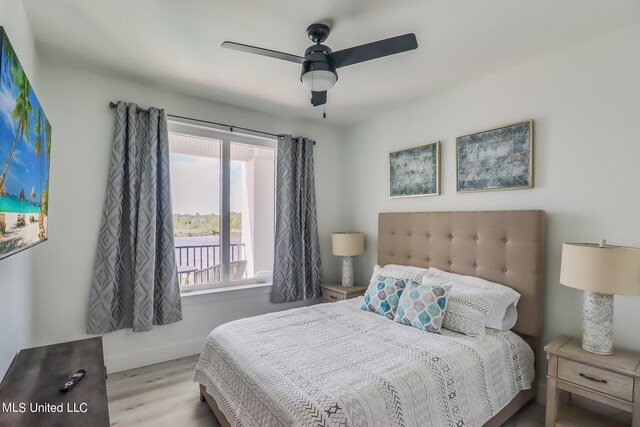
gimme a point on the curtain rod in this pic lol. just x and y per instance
(113, 105)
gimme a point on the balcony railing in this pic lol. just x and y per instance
(204, 256)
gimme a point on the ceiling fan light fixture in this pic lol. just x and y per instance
(319, 80)
(318, 74)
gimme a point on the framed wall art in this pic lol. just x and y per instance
(495, 159)
(415, 171)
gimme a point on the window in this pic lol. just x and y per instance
(222, 187)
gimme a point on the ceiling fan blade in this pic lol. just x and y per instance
(318, 98)
(264, 52)
(374, 50)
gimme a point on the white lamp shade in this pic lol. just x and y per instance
(611, 270)
(319, 80)
(347, 244)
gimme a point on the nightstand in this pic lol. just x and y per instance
(610, 380)
(337, 292)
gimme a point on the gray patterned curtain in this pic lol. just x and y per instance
(297, 266)
(135, 283)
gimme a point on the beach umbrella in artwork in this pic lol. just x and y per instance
(33, 193)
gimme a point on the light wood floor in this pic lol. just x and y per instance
(165, 395)
(158, 395)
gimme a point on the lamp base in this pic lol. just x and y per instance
(347, 271)
(597, 323)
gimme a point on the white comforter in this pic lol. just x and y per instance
(335, 365)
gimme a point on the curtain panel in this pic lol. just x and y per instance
(135, 283)
(297, 266)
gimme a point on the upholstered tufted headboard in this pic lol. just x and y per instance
(506, 247)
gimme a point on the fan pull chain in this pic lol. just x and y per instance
(324, 111)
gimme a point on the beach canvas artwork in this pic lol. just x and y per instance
(415, 171)
(25, 149)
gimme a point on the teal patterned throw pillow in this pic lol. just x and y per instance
(383, 295)
(423, 306)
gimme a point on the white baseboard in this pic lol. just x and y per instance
(137, 359)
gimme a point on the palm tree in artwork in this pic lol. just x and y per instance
(10, 56)
(37, 129)
(47, 139)
(21, 112)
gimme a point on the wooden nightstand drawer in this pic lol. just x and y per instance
(601, 380)
(329, 295)
(334, 292)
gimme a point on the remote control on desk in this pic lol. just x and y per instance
(73, 380)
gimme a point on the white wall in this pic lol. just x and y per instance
(15, 272)
(76, 104)
(586, 104)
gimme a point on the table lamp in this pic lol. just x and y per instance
(347, 245)
(602, 271)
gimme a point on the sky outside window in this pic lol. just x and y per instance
(195, 184)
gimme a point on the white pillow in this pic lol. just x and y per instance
(503, 314)
(398, 272)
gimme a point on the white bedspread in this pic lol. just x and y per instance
(335, 365)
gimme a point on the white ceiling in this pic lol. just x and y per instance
(176, 44)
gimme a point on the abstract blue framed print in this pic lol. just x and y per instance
(415, 171)
(496, 159)
(25, 150)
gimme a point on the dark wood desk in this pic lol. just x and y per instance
(29, 393)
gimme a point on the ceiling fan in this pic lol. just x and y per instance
(319, 63)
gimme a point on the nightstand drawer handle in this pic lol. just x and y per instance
(592, 379)
(333, 297)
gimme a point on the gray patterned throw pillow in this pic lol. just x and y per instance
(467, 306)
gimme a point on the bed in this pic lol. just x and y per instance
(336, 365)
